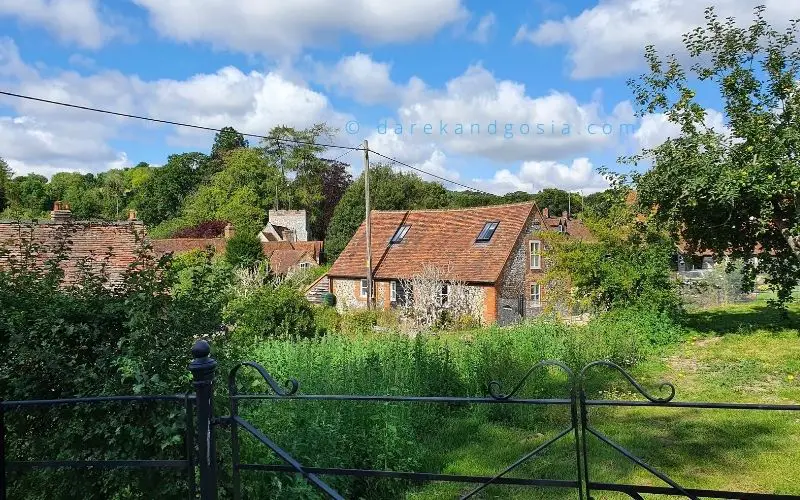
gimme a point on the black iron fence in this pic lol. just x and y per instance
(201, 459)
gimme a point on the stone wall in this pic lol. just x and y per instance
(295, 220)
(516, 278)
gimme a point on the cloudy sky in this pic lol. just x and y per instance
(549, 75)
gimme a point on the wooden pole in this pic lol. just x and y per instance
(368, 224)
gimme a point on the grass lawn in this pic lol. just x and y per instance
(738, 353)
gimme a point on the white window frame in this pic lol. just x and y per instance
(364, 286)
(393, 292)
(538, 255)
(444, 295)
(305, 265)
(536, 298)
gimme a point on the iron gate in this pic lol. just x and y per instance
(202, 458)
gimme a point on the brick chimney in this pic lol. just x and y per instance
(61, 212)
(131, 214)
(545, 213)
(228, 231)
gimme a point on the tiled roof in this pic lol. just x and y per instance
(112, 244)
(575, 228)
(443, 238)
(281, 260)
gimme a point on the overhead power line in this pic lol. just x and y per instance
(167, 122)
(211, 129)
(432, 175)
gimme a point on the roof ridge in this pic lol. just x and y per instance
(461, 209)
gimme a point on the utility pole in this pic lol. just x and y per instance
(368, 224)
(569, 204)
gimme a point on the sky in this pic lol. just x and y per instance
(538, 87)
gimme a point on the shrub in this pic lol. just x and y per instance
(89, 339)
(244, 250)
(359, 322)
(329, 299)
(270, 312)
(207, 229)
(327, 320)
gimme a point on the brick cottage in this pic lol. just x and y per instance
(495, 251)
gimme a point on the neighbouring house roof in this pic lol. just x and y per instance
(281, 254)
(282, 260)
(442, 238)
(575, 228)
(108, 246)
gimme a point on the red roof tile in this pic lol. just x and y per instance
(182, 245)
(113, 245)
(281, 260)
(443, 238)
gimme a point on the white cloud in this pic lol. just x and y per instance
(277, 28)
(59, 138)
(484, 29)
(610, 37)
(534, 176)
(656, 128)
(501, 122)
(71, 21)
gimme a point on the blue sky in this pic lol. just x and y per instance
(253, 65)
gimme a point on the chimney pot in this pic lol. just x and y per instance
(545, 213)
(61, 211)
(131, 214)
(564, 214)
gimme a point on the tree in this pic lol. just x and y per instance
(558, 201)
(28, 195)
(227, 139)
(244, 250)
(389, 190)
(241, 193)
(162, 194)
(318, 187)
(5, 180)
(734, 191)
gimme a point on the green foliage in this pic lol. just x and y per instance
(327, 319)
(558, 201)
(270, 312)
(5, 184)
(732, 190)
(244, 250)
(162, 193)
(359, 322)
(240, 193)
(329, 299)
(91, 339)
(389, 190)
(628, 265)
(227, 139)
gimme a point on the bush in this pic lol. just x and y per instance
(207, 229)
(244, 250)
(91, 339)
(270, 312)
(359, 322)
(327, 320)
(329, 299)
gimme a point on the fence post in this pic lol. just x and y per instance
(203, 368)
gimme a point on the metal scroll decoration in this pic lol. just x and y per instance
(641, 390)
(496, 386)
(291, 385)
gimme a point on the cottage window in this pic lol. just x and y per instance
(305, 265)
(487, 232)
(364, 288)
(443, 298)
(399, 234)
(536, 254)
(536, 295)
(393, 292)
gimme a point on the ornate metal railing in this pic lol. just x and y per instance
(579, 427)
(200, 434)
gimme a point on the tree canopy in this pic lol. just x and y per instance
(733, 190)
